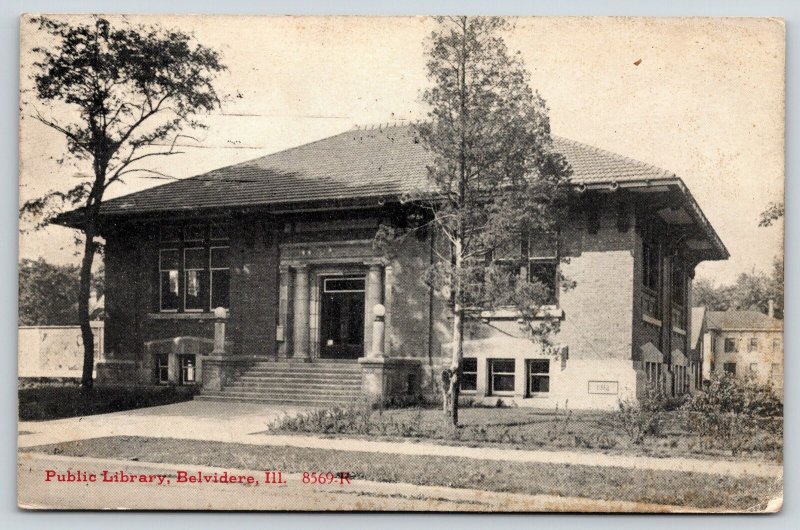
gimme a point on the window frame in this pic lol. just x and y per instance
(186, 271)
(211, 270)
(183, 367)
(729, 368)
(730, 340)
(174, 237)
(162, 366)
(470, 373)
(531, 374)
(161, 283)
(750, 347)
(492, 373)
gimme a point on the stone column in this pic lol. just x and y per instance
(388, 286)
(372, 297)
(284, 304)
(301, 314)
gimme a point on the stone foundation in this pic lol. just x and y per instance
(387, 380)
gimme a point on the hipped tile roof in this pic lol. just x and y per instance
(352, 165)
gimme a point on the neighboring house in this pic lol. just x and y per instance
(698, 348)
(285, 243)
(746, 343)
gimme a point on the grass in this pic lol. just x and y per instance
(521, 428)
(604, 483)
(50, 402)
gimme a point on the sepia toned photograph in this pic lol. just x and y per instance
(401, 264)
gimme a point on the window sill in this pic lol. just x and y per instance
(545, 312)
(651, 320)
(207, 315)
(679, 331)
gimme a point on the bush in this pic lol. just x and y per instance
(642, 418)
(736, 414)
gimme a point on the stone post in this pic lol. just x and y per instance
(301, 314)
(373, 296)
(220, 315)
(378, 331)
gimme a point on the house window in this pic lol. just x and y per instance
(713, 344)
(775, 369)
(196, 279)
(730, 345)
(538, 376)
(501, 376)
(469, 374)
(162, 368)
(729, 368)
(220, 277)
(168, 279)
(753, 368)
(188, 369)
(776, 345)
(194, 233)
(752, 345)
(713, 367)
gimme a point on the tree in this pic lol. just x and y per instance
(120, 96)
(494, 177)
(751, 291)
(48, 294)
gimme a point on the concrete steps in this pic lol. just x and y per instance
(293, 383)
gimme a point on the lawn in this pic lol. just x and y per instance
(50, 402)
(523, 428)
(661, 487)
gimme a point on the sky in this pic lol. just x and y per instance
(705, 101)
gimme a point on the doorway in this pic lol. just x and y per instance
(342, 317)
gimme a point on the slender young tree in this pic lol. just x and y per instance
(495, 178)
(119, 95)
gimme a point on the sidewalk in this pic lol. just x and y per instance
(359, 495)
(245, 424)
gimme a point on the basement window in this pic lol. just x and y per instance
(538, 376)
(501, 376)
(162, 368)
(469, 374)
(188, 372)
(729, 368)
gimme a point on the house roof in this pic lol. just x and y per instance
(742, 320)
(698, 317)
(364, 164)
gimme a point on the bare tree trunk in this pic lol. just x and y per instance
(458, 354)
(84, 293)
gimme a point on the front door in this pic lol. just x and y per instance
(342, 317)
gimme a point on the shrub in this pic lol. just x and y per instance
(642, 418)
(735, 414)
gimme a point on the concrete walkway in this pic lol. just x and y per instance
(245, 423)
(360, 495)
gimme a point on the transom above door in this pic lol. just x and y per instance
(342, 316)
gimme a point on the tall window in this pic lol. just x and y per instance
(730, 345)
(469, 374)
(651, 269)
(220, 277)
(538, 376)
(196, 279)
(752, 345)
(501, 376)
(168, 262)
(543, 263)
(776, 345)
(194, 269)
